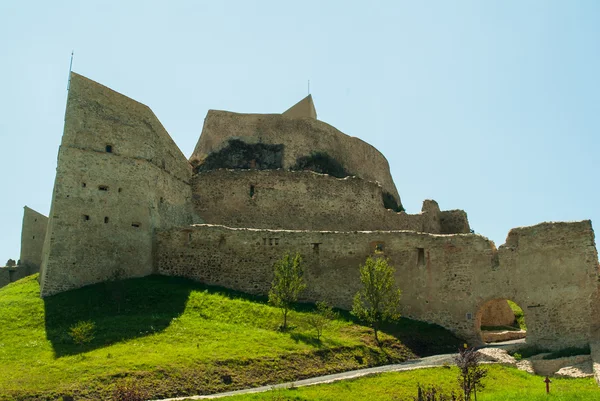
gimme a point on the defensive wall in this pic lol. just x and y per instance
(119, 177)
(305, 200)
(298, 137)
(551, 270)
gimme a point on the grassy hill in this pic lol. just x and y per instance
(175, 337)
(502, 384)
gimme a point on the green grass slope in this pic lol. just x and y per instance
(175, 337)
(502, 384)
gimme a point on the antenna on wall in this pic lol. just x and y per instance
(70, 68)
(309, 86)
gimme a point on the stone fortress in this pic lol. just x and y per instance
(127, 203)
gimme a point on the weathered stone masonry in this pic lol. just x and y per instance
(127, 203)
(445, 279)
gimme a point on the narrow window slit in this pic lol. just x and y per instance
(103, 188)
(105, 220)
(421, 257)
(109, 148)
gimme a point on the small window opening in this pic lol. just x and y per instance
(136, 225)
(162, 200)
(34, 237)
(109, 149)
(163, 164)
(120, 189)
(421, 257)
(83, 185)
(379, 247)
(276, 241)
(35, 220)
(103, 188)
(86, 217)
(105, 220)
(264, 241)
(252, 191)
(189, 237)
(315, 246)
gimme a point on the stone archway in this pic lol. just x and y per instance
(499, 320)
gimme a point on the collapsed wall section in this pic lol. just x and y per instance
(119, 177)
(300, 137)
(445, 279)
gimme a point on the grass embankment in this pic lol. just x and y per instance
(502, 384)
(175, 337)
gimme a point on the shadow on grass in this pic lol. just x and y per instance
(307, 339)
(127, 309)
(120, 310)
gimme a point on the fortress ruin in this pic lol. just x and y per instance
(127, 202)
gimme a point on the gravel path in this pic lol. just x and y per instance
(427, 362)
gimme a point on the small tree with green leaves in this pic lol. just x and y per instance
(378, 299)
(287, 284)
(321, 318)
(471, 374)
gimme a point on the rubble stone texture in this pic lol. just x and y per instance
(127, 202)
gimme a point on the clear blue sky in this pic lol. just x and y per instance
(488, 106)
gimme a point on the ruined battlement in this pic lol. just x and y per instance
(305, 200)
(445, 279)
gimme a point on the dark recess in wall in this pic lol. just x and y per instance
(241, 155)
(321, 162)
(389, 202)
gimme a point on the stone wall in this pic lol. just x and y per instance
(301, 200)
(119, 177)
(33, 233)
(300, 137)
(446, 279)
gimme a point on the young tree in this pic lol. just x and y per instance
(471, 372)
(321, 318)
(379, 298)
(287, 284)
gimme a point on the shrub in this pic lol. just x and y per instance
(82, 332)
(471, 372)
(321, 318)
(129, 391)
(435, 394)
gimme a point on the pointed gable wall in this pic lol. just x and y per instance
(304, 108)
(119, 177)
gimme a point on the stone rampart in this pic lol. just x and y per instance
(119, 177)
(299, 137)
(446, 279)
(301, 200)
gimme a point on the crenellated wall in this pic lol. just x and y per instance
(119, 177)
(302, 200)
(445, 279)
(299, 137)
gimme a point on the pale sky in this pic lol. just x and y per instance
(488, 106)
